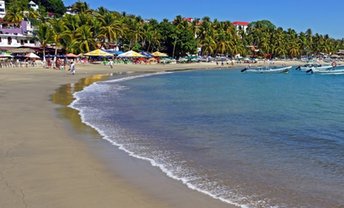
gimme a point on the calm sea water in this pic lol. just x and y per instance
(254, 140)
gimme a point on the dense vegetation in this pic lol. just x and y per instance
(91, 29)
(53, 6)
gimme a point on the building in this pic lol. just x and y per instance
(33, 5)
(12, 36)
(2, 9)
(188, 19)
(241, 25)
(70, 11)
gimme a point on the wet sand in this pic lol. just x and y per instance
(48, 159)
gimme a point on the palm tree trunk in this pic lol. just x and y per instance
(174, 48)
(44, 54)
(55, 54)
(149, 45)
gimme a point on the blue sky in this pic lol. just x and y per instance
(324, 17)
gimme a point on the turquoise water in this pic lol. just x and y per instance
(254, 140)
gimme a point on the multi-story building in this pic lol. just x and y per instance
(2, 9)
(16, 36)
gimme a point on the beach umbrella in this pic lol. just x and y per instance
(159, 54)
(5, 55)
(61, 56)
(49, 56)
(146, 54)
(32, 55)
(130, 54)
(114, 52)
(118, 52)
(98, 52)
(71, 55)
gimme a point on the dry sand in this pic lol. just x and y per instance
(43, 164)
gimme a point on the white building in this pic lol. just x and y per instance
(14, 41)
(33, 5)
(11, 35)
(2, 9)
(70, 11)
(241, 25)
(16, 36)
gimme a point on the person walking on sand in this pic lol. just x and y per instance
(72, 68)
(111, 63)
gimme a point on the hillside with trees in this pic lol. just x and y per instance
(54, 6)
(90, 29)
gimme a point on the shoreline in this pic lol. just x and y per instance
(47, 163)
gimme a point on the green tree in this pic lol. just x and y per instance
(111, 27)
(84, 41)
(44, 35)
(55, 6)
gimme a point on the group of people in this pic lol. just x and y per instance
(60, 64)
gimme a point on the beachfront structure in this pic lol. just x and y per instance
(2, 9)
(16, 36)
(33, 5)
(14, 41)
(241, 25)
(25, 28)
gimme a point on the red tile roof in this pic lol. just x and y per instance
(189, 19)
(240, 23)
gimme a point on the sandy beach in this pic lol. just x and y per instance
(46, 162)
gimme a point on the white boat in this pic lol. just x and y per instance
(313, 67)
(267, 69)
(328, 71)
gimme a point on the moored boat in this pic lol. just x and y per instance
(327, 71)
(267, 69)
(314, 67)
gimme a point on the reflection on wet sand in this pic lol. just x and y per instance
(64, 96)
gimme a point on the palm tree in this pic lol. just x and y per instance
(208, 45)
(14, 15)
(80, 7)
(59, 35)
(135, 31)
(84, 41)
(151, 36)
(111, 28)
(44, 35)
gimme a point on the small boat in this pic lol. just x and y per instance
(267, 69)
(327, 71)
(314, 67)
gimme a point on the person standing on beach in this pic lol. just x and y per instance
(72, 68)
(111, 63)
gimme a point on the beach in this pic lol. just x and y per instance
(50, 158)
(45, 162)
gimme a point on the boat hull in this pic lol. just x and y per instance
(267, 70)
(314, 68)
(329, 71)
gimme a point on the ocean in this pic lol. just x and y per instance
(252, 140)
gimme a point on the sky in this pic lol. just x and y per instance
(323, 17)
